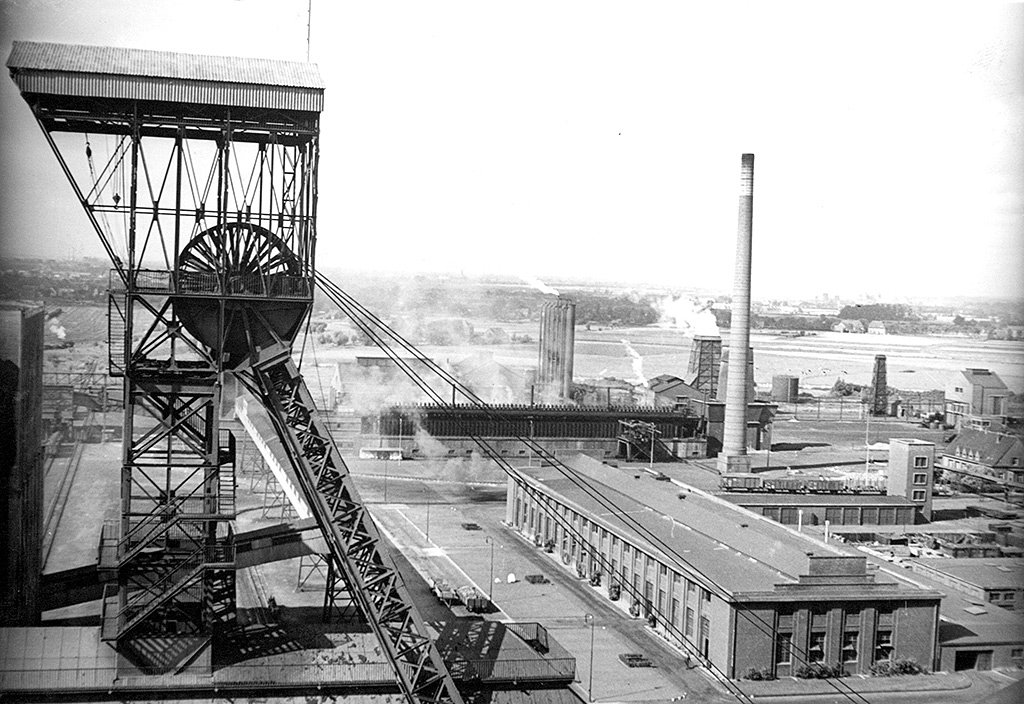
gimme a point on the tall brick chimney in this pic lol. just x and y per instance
(733, 457)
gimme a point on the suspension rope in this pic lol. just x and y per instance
(367, 321)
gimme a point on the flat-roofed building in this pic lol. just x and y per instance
(912, 473)
(734, 589)
(976, 632)
(837, 509)
(996, 580)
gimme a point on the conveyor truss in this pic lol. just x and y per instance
(359, 564)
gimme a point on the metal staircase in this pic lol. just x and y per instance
(116, 345)
(123, 613)
(372, 581)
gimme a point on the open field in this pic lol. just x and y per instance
(914, 363)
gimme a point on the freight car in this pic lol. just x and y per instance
(753, 483)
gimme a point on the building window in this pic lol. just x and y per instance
(1005, 599)
(958, 389)
(920, 478)
(850, 640)
(674, 616)
(919, 495)
(1017, 653)
(1015, 461)
(706, 594)
(816, 648)
(883, 645)
(783, 648)
(689, 622)
(921, 461)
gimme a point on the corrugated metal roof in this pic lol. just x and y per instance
(163, 76)
(118, 61)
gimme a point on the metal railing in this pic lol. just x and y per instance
(507, 670)
(276, 675)
(201, 282)
(533, 633)
(213, 283)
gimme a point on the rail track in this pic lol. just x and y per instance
(65, 463)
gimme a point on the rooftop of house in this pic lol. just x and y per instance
(983, 377)
(664, 382)
(993, 449)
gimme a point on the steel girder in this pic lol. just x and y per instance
(373, 583)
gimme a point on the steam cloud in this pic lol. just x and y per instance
(57, 329)
(638, 364)
(690, 315)
(538, 284)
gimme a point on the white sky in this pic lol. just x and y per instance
(603, 140)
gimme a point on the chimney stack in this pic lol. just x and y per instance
(734, 456)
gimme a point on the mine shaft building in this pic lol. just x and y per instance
(740, 591)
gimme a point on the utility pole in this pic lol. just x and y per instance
(589, 618)
(490, 580)
(867, 447)
(652, 447)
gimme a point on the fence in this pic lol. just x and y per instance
(852, 408)
(825, 409)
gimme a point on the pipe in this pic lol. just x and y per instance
(542, 361)
(568, 354)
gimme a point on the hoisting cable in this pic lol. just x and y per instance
(491, 453)
(367, 321)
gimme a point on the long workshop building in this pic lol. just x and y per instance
(742, 592)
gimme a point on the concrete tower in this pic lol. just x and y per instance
(557, 342)
(21, 475)
(734, 441)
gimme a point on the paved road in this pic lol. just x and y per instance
(559, 605)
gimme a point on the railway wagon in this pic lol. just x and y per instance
(741, 482)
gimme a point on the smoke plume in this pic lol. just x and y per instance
(57, 329)
(638, 364)
(691, 315)
(536, 283)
